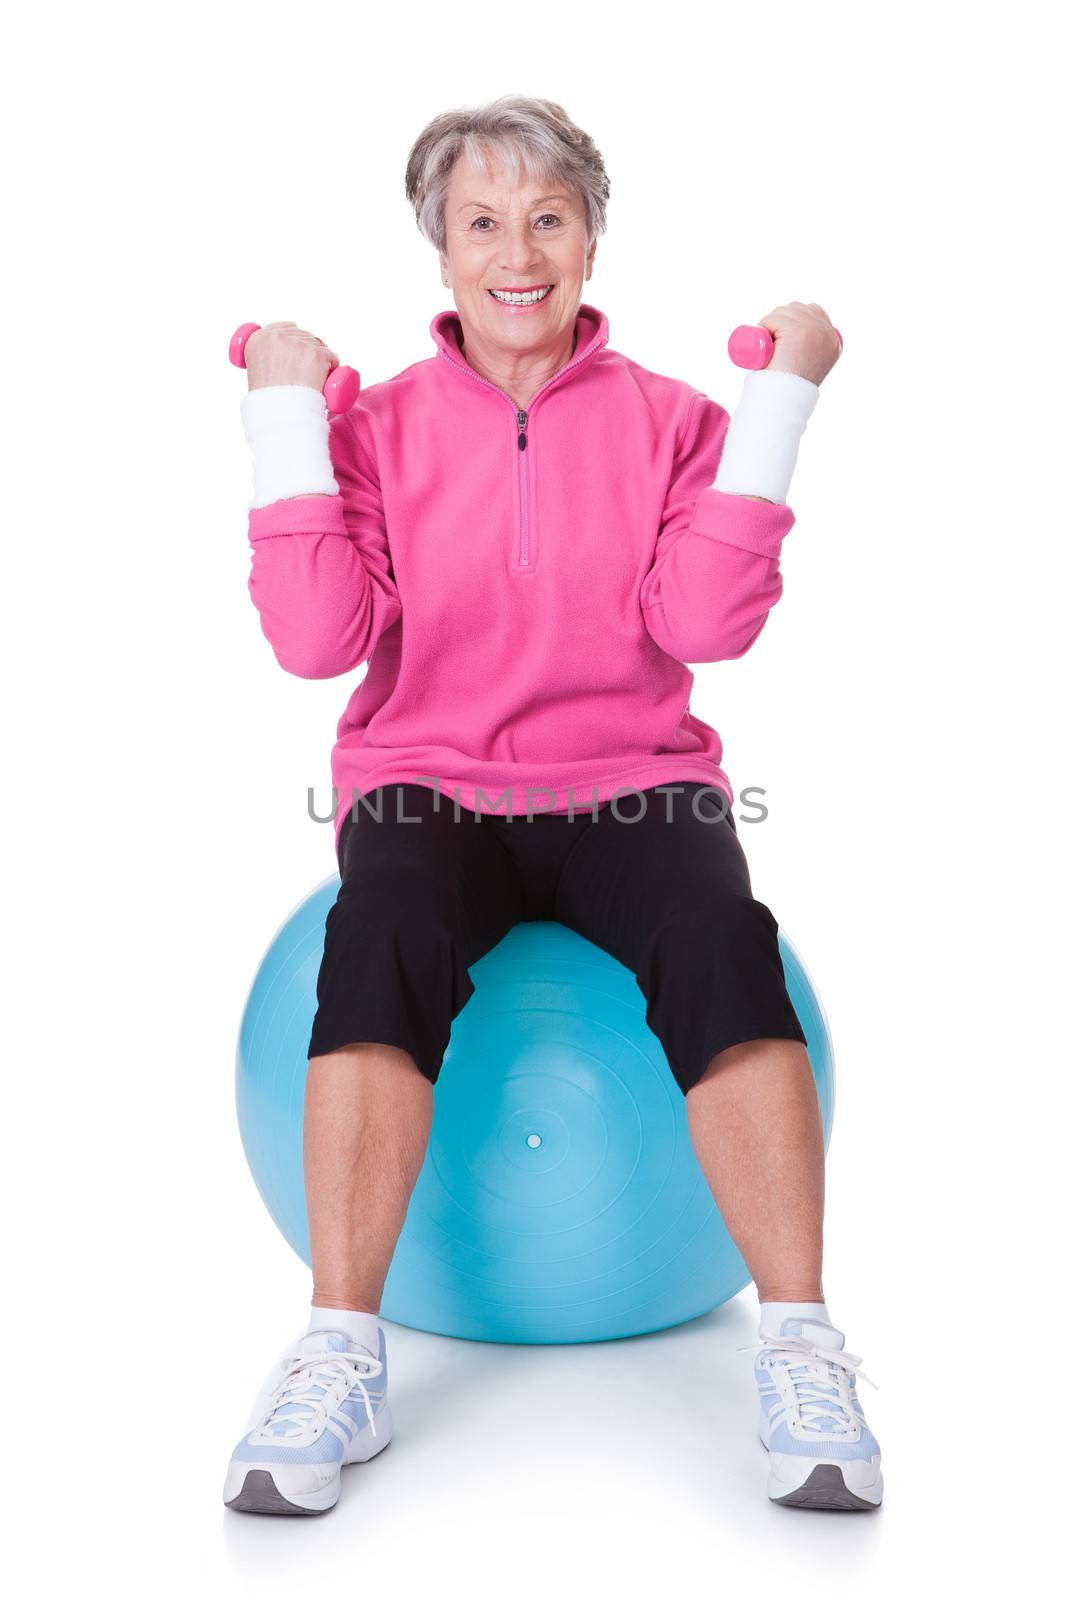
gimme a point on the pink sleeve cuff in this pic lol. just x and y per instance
(319, 513)
(753, 525)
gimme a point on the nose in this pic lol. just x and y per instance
(519, 252)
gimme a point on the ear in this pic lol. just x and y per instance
(589, 259)
(443, 260)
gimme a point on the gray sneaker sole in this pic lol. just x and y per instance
(259, 1492)
(825, 1490)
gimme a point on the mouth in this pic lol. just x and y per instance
(522, 299)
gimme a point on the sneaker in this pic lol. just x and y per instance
(323, 1406)
(822, 1453)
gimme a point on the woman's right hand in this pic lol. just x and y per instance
(280, 352)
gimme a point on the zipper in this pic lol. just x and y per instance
(522, 419)
(524, 521)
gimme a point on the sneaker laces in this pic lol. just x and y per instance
(819, 1379)
(300, 1396)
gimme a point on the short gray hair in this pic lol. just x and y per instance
(536, 136)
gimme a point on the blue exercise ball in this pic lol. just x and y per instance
(560, 1200)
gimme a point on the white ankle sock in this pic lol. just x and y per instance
(772, 1313)
(360, 1326)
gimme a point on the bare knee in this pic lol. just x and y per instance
(760, 1055)
(368, 1081)
(372, 1060)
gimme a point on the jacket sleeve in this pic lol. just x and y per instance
(714, 576)
(321, 575)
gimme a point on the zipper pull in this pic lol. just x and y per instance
(520, 417)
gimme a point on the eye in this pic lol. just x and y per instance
(551, 214)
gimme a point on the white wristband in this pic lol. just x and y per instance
(762, 441)
(287, 428)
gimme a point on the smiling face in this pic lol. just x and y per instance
(531, 237)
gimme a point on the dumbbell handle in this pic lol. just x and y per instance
(754, 347)
(341, 389)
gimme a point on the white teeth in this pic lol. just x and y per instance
(528, 299)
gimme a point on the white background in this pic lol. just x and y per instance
(172, 172)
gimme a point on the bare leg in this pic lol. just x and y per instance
(367, 1115)
(755, 1127)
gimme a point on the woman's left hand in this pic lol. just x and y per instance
(804, 340)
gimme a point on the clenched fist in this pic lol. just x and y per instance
(805, 341)
(280, 352)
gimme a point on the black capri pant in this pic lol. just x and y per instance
(656, 877)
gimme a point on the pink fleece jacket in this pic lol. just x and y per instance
(525, 586)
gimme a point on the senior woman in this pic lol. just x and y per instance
(527, 536)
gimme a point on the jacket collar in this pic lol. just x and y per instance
(592, 324)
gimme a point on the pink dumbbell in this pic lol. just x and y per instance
(341, 389)
(754, 347)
